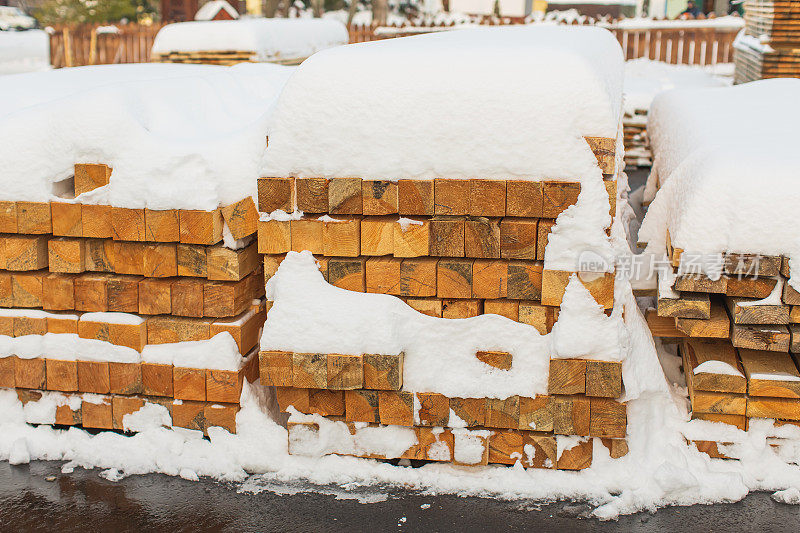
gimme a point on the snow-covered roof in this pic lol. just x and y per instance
(176, 136)
(728, 162)
(487, 102)
(210, 10)
(24, 51)
(269, 39)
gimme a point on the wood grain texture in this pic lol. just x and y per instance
(127, 224)
(518, 238)
(377, 235)
(383, 371)
(487, 198)
(379, 197)
(482, 237)
(161, 225)
(413, 239)
(451, 196)
(345, 196)
(567, 376)
(200, 227)
(415, 197)
(524, 198)
(341, 237)
(447, 236)
(276, 193)
(312, 195)
(241, 218)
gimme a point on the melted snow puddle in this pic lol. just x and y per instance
(349, 491)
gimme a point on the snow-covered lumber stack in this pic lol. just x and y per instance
(444, 255)
(133, 305)
(769, 45)
(724, 215)
(129, 271)
(228, 42)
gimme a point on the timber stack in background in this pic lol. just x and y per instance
(103, 295)
(770, 46)
(449, 248)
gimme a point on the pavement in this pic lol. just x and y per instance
(39, 497)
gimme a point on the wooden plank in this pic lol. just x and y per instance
(345, 196)
(396, 408)
(383, 371)
(377, 235)
(518, 238)
(718, 326)
(8, 217)
(379, 197)
(189, 415)
(539, 316)
(604, 149)
(415, 197)
(34, 218)
(750, 287)
(383, 275)
(276, 193)
(90, 176)
(689, 305)
(482, 237)
(224, 264)
(502, 413)
(524, 198)
(571, 415)
(326, 402)
(567, 376)
(362, 406)
(93, 376)
(161, 225)
(27, 288)
(341, 237)
(169, 329)
(487, 198)
(454, 278)
(751, 264)
(700, 283)
(489, 278)
(66, 219)
(189, 383)
(127, 224)
(312, 195)
(770, 374)
(771, 338)
(718, 402)
(447, 236)
(557, 196)
(525, 280)
(344, 372)
(748, 311)
(348, 273)
(451, 196)
(125, 378)
(412, 238)
(455, 308)
(99, 255)
(58, 292)
(61, 375)
(187, 297)
(155, 296)
(7, 372)
(543, 231)
(96, 221)
(502, 307)
(275, 368)
(427, 306)
(193, 259)
(536, 413)
(121, 406)
(603, 378)
(25, 252)
(309, 370)
(159, 260)
(157, 379)
(599, 285)
(200, 227)
(127, 257)
(434, 409)
(608, 418)
(500, 360)
(782, 408)
(226, 298)
(699, 351)
(576, 458)
(97, 413)
(418, 277)
(739, 421)
(241, 218)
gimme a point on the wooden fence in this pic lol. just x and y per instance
(130, 43)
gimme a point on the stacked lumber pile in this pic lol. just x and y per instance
(773, 27)
(208, 57)
(94, 298)
(634, 131)
(739, 338)
(449, 248)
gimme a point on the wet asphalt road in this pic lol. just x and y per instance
(82, 501)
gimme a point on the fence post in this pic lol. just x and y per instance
(93, 46)
(67, 48)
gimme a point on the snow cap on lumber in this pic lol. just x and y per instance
(483, 102)
(269, 39)
(727, 162)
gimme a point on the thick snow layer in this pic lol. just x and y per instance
(220, 352)
(727, 160)
(271, 39)
(24, 51)
(113, 318)
(67, 347)
(645, 78)
(176, 136)
(484, 102)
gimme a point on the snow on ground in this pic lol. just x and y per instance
(24, 51)
(727, 160)
(176, 136)
(271, 39)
